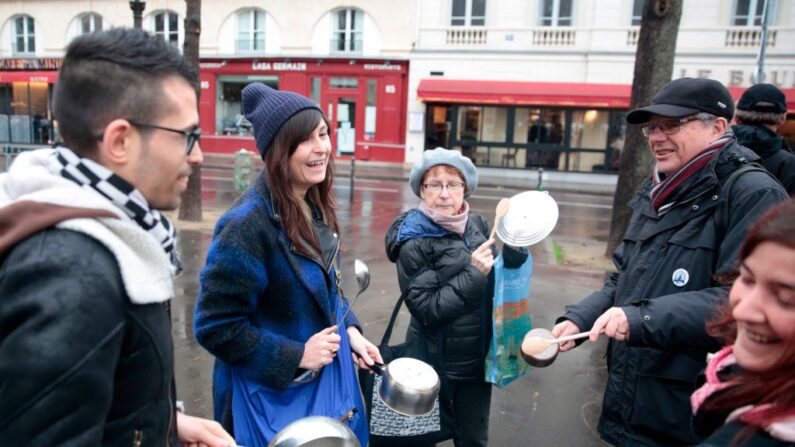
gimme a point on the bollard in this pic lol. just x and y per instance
(242, 170)
(540, 186)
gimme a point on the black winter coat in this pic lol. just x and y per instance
(450, 300)
(665, 284)
(79, 363)
(775, 155)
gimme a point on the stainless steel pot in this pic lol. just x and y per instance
(408, 386)
(315, 431)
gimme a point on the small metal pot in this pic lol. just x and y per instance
(315, 431)
(548, 355)
(408, 386)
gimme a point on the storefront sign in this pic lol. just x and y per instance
(279, 66)
(50, 63)
(212, 64)
(781, 78)
(381, 67)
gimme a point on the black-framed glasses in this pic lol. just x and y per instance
(191, 135)
(668, 127)
(437, 187)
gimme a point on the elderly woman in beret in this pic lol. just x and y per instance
(444, 260)
(270, 301)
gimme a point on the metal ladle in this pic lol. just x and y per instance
(362, 272)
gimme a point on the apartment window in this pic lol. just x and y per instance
(24, 35)
(557, 12)
(749, 12)
(90, 22)
(250, 31)
(347, 31)
(167, 27)
(637, 11)
(468, 13)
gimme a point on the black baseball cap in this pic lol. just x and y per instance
(763, 98)
(687, 96)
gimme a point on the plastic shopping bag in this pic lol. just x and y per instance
(511, 321)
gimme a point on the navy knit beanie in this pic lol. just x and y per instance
(268, 109)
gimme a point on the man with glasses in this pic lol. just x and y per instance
(88, 262)
(655, 308)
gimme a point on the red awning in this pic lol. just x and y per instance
(556, 94)
(610, 96)
(29, 76)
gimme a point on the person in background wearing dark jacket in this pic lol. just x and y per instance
(88, 263)
(760, 112)
(270, 294)
(656, 306)
(748, 395)
(444, 258)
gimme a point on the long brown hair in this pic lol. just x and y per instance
(775, 385)
(277, 166)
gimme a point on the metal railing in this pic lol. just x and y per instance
(748, 37)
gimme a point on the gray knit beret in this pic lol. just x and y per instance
(441, 156)
(269, 109)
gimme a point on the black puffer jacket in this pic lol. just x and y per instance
(666, 286)
(448, 297)
(775, 155)
(79, 363)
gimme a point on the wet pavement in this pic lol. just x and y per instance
(557, 405)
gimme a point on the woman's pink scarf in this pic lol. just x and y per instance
(456, 224)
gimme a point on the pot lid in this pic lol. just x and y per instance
(531, 217)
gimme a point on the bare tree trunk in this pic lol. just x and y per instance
(191, 208)
(654, 64)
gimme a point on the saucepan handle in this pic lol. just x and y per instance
(378, 368)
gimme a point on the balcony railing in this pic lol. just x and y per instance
(250, 46)
(748, 37)
(466, 36)
(554, 37)
(727, 40)
(346, 46)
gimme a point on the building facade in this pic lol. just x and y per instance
(517, 84)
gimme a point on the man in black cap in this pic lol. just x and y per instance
(761, 111)
(656, 306)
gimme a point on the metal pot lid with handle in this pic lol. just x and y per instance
(531, 217)
(315, 431)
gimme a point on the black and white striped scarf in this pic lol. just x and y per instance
(120, 193)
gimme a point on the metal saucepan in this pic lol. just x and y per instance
(545, 357)
(408, 386)
(315, 431)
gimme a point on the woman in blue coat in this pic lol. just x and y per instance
(269, 299)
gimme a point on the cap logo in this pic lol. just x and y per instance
(722, 104)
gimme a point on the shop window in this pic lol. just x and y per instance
(343, 83)
(557, 12)
(229, 108)
(749, 12)
(468, 13)
(250, 31)
(438, 124)
(589, 130)
(370, 110)
(637, 12)
(24, 36)
(316, 84)
(347, 32)
(543, 132)
(166, 26)
(90, 22)
(25, 116)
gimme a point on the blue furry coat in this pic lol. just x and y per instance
(259, 299)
